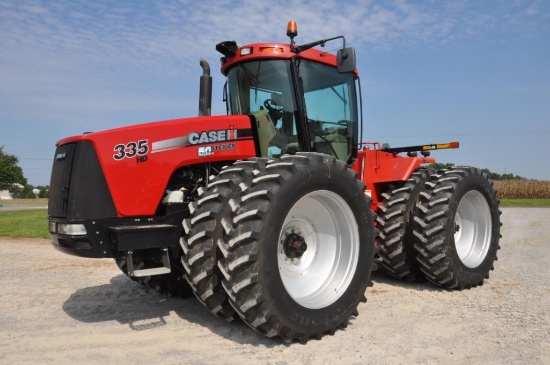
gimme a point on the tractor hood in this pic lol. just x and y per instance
(137, 161)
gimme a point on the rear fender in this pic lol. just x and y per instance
(377, 168)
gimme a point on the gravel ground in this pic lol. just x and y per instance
(56, 308)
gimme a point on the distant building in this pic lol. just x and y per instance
(5, 195)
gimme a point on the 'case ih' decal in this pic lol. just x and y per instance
(213, 136)
(199, 138)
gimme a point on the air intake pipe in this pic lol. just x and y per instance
(205, 90)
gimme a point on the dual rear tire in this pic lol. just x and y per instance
(442, 226)
(457, 228)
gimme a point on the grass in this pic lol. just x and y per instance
(24, 223)
(525, 202)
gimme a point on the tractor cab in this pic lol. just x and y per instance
(302, 99)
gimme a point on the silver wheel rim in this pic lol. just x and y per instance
(324, 271)
(473, 228)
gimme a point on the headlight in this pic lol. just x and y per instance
(246, 51)
(71, 229)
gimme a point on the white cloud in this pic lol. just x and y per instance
(74, 55)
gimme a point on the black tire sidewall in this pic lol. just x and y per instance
(478, 183)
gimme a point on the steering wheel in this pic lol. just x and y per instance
(275, 113)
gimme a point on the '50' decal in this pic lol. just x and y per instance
(131, 149)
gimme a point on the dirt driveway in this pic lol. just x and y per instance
(56, 308)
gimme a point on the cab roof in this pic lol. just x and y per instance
(234, 54)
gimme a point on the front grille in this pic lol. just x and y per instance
(61, 180)
(78, 189)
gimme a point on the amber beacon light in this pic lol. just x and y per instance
(292, 29)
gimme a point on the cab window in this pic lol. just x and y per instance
(263, 89)
(330, 107)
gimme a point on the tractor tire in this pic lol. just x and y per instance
(299, 258)
(457, 226)
(209, 222)
(395, 221)
(172, 284)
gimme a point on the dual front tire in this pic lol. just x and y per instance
(297, 250)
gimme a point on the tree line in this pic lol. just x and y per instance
(27, 192)
(13, 180)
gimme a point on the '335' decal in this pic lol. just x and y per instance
(131, 149)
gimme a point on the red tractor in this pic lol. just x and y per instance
(276, 212)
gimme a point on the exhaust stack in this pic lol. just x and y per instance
(205, 90)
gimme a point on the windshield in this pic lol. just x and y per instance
(264, 88)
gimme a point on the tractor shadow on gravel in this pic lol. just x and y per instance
(142, 309)
(123, 301)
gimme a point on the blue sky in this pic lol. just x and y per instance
(431, 71)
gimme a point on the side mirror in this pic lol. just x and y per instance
(346, 60)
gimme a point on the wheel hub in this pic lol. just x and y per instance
(294, 246)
